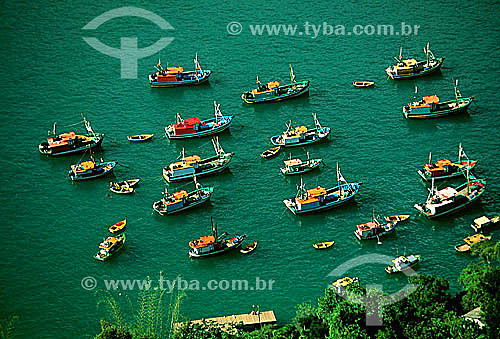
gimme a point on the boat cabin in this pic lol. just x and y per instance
(313, 198)
(270, 86)
(294, 136)
(293, 162)
(108, 243)
(402, 262)
(427, 104)
(203, 245)
(186, 166)
(83, 166)
(370, 229)
(175, 200)
(341, 283)
(171, 74)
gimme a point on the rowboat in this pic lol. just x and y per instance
(119, 226)
(450, 199)
(362, 84)
(273, 91)
(319, 199)
(484, 222)
(270, 152)
(121, 188)
(176, 76)
(130, 182)
(471, 241)
(397, 218)
(91, 169)
(180, 201)
(297, 166)
(110, 246)
(445, 169)
(214, 244)
(70, 142)
(301, 135)
(323, 245)
(411, 68)
(140, 137)
(194, 127)
(193, 165)
(432, 107)
(403, 263)
(249, 248)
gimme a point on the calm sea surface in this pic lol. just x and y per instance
(51, 227)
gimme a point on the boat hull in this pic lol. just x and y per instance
(472, 164)
(318, 138)
(79, 149)
(208, 172)
(316, 164)
(303, 91)
(236, 246)
(212, 131)
(193, 82)
(193, 204)
(106, 168)
(425, 72)
(463, 107)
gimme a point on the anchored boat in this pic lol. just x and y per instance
(403, 263)
(177, 76)
(397, 218)
(214, 244)
(297, 166)
(319, 199)
(273, 91)
(432, 107)
(91, 169)
(269, 153)
(140, 137)
(340, 284)
(180, 201)
(249, 248)
(323, 245)
(363, 84)
(300, 136)
(444, 168)
(70, 142)
(450, 200)
(484, 222)
(194, 127)
(118, 227)
(412, 68)
(193, 165)
(110, 247)
(471, 241)
(374, 229)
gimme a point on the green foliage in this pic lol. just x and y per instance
(487, 250)
(7, 327)
(308, 324)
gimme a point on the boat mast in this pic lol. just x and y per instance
(214, 228)
(196, 66)
(217, 147)
(218, 113)
(460, 150)
(301, 191)
(430, 158)
(292, 76)
(316, 122)
(468, 181)
(339, 176)
(457, 91)
(179, 119)
(431, 191)
(54, 129)
(426, 50)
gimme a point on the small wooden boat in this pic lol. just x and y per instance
(91, 169)
(121, 188)
(177, 76)
(411, 68)
(319, 199)
(484, 222)
(140, 137)
(214, 244)
(323, 245)
(363, 84)
(445, 169)
(118, 227)
(297, 166)
(403, 263)
(471, 241)
(270, 152)
(301, 135)
(273, 91)
(195, 128)
(432, 107)
(249, 248)
(340, 284)
(397, 218)
(110, 246)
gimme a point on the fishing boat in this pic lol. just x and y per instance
(403, 263)
(342, 283)
(182, 200)
(110, 246)
(397, 218)
(91, 169)
(412, 68)
(471, 241)
(450, 200)
(121, 188)
(214, 244)
(193, 165)
(323, 245)
(177, 76)
(270, 152)
(484, 222)
(301, 135)
(374, 229)
(445, 168)
(70, 142)
(297, 166)
(363, 84)
(194, 127)
(249, 248)
(320, 199)
(118, 227)
(140, 137)
(273, 91)
(432, 107)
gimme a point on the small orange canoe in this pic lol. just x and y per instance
(119, 226)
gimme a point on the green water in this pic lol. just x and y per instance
(51, 226)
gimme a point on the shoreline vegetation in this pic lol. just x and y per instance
(431, 311)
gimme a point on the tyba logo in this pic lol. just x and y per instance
(128, 52)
